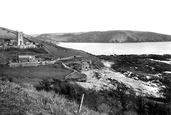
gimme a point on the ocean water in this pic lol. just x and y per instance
(121, 48)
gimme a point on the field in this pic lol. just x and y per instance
(34, 74)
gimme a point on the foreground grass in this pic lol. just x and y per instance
(23, 99)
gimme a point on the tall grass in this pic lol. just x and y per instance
(24, 99)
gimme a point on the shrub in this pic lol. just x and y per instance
(103, 108)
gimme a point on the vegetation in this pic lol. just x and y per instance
(140, 66)
(102, 101)
(120, 101)
(62, 98)
(33, 75)
(23, 99)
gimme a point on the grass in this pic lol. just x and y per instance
(32, 75)
(24, 99)
(61, 52)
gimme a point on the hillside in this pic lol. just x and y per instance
(5, 35)
(107, 37)
(24, 99)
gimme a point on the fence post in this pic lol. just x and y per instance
(80, 106)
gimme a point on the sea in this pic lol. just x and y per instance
(121, 48)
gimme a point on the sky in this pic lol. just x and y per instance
(62, 16)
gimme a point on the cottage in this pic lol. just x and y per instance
(26, 58)
(12, 43)
(86, 65)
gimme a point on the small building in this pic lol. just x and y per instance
(12, 43)
(86, 65)
(83, 65)
(26, 58)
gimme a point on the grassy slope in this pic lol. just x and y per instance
(5, 35)
(25, 100)
(108, 36)
(33, 75)
(61, 52)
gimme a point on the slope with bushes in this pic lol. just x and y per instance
(24, 99)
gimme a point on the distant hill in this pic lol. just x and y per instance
(107, 37)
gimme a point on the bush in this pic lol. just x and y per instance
(103, 108)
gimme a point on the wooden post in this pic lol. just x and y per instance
(80, 106)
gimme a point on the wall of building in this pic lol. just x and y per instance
(12, 64)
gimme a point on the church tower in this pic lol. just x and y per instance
(20, 39)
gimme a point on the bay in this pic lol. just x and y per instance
(121, 48)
